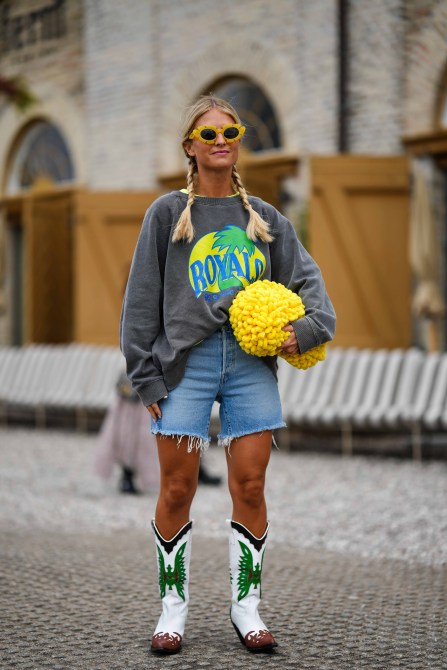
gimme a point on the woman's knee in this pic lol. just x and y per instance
(177, 491)
(249, 491)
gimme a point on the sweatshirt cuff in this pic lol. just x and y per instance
(304, 334)
(153, 392)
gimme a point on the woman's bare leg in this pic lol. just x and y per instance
(247, 460)
(178, 483)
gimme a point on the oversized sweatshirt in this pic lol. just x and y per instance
(179, 293)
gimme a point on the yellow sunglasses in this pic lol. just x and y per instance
(208, 134)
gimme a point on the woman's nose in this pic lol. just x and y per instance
(220, 139)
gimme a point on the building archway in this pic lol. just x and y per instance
(251, 59)
(256, 110)
(37, 258)
(40, 152)
(57, 109)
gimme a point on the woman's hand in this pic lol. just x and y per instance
(290, 346)
(154, 411)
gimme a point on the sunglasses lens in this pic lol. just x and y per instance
(208, 134)
(231, 133)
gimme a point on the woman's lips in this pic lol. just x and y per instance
(220, 153)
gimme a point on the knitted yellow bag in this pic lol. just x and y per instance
(257, 315)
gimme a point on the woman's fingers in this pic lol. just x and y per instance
(154, 411)
(290, 346)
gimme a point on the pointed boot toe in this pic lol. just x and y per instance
(166, 643)
(258, 642)
(261, 641)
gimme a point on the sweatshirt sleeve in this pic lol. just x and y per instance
(141, 314)
(293, 266)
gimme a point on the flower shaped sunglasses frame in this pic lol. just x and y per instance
(208, 134)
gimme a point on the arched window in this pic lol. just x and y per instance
(255, 110)
(41, 153)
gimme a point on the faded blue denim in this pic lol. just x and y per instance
(218, 369)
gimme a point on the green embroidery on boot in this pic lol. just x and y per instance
(248, 575)
(172, 577)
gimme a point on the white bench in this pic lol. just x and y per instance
(37, 380)
(353, 390)
(364, 390)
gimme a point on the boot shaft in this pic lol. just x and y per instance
(246, 560)
(173, 559)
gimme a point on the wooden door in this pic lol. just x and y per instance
(106, 231)
(358, 233)
(48, 267)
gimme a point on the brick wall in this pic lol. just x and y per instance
(426, 63)
(376, 71)
(315, 61)
(121, 100)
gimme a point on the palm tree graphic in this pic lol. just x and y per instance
(229, 240)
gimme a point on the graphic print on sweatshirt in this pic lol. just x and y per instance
(224, 261)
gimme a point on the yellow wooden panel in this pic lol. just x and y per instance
(106, 231)
(359, 236)
(48, 268)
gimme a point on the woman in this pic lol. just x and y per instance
(196, 249)
(125, 441)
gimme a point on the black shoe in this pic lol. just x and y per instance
(126, 483)
(206, 478)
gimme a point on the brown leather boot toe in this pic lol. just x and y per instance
(166, 643)
(260, 641)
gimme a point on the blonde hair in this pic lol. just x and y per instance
(257, 228)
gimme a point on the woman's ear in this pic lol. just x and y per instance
(187, 146)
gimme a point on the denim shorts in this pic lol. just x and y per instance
(219, 370)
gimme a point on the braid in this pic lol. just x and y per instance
(184, 229)
(257, 227)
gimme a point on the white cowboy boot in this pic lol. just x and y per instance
(246, 557)
(173, 557)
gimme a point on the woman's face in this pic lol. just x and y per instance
(219, 156)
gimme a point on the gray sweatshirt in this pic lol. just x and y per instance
(179, 293)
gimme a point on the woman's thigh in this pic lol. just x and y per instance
(248, 458)
(176, 462)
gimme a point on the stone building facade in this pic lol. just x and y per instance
(114, 79)
(43, 42)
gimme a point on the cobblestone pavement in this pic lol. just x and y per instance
(355, 575)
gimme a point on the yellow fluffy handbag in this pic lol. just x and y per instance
(257, 315)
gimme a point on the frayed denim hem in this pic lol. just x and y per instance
(194, 441)
(227, 441)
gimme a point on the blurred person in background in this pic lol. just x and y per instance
(197, 248)
(125, 440)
